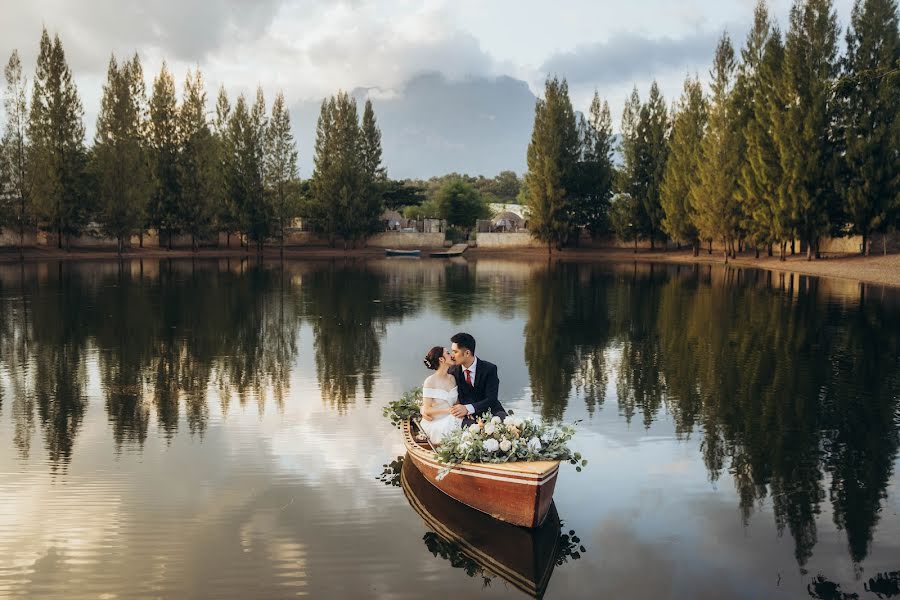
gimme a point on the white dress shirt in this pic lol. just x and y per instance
(471, 371)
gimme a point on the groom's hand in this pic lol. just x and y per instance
(458, 410)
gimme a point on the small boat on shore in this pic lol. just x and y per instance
(480, 545)
(516, 492)
(395, 252)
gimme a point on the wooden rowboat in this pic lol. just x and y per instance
(516, 492)
(483, 546)
(394, 252)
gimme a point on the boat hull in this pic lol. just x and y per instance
(517, 493)
(524, 558)
(392, 252)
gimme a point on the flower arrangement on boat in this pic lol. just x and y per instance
(491, 439)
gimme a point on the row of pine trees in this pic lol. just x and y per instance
(790, 142)
(164, 164)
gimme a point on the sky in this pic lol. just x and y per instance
(311, 48)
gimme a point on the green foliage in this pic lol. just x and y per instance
(595, 173)
(631, 216)
(162, 212)
(198, 172)
(803, 136)
(625, 217)
(651, 154)
(17, 209)
(244, 171)
(281, 166)
(343, 201)
(552, 165)
(870, 116)
(398, 194)
(713, 198)
(407, 407)
(119, 160)
(57, 159)
(461, 205)
(683, 163)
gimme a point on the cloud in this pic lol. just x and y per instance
(628, 57)
(188, 30)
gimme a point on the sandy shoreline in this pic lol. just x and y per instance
(878, 269)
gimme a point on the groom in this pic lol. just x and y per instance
(476, 380)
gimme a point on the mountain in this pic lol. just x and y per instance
(435, 126)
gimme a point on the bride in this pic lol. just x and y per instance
(439, 393)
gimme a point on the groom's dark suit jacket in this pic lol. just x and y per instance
(482, 394)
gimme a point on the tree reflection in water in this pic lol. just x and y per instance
(793, 390)
(784, 382)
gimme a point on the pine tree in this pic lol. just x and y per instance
(805, 138)
(197, 172)
(246, 131)
(119, 162)
(596, 171)
(750, 98)
(224, 207)
(683, 164)
(870, 93)
(552, 160)
(14, 149)
(163, 137)
(713, 198)
(375, 174)
(650, 161)
(630, 176)
(56, 154)
(281, 165)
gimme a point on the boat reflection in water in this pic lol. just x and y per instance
(483, 546)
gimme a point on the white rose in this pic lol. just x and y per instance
(534, 444)
(516, 422)
(491, 445)
(474, 427)
(489, 428)
(505, 445)
(496, 420)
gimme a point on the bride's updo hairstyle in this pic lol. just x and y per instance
(433, 358)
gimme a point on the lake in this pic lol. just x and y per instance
(213, 428)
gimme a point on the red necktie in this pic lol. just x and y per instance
(468, 377)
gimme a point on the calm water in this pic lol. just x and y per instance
(213, 428)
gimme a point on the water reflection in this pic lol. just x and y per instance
(791, 384)
(483, 547)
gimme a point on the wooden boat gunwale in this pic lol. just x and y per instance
(532, 482)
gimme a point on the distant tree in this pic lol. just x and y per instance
(281, 166)
(751, 95)
(197, 164)
(869, 90)
(805, 135)
(225, 209)
(596, 171)
(339, 203)
(245, 168)
(163, 140)
(650, 165)
(683, 164)
(630, 176)
(713, 198)
(119, 160)
(374, 172)
(552, 162)
(14, 147)
(461, 205)
(56, 158)
(402, 193)
(622, 212)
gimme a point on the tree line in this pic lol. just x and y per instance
(176, 165)
(791, 141)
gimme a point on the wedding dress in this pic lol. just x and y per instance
(440, 425)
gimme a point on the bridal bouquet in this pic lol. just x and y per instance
(495, 440)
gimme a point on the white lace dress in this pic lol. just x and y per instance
(440, 425)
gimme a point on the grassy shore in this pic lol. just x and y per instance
(879, 269)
